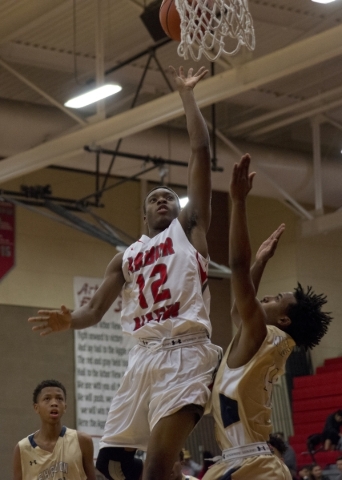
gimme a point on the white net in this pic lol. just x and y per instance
(214, 27)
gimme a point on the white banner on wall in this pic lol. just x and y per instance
(101, 358)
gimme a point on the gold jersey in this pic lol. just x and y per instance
(241, 406)
(64, 463)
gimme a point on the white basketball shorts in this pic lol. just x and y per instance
(158, 382)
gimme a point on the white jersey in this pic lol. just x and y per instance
(166, 291)
(65, 462)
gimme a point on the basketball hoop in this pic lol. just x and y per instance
(214, 27)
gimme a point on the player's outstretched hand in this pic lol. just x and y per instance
(50, 321)
(242, 181)
(187, 82)
(268, 247)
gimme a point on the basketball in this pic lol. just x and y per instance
(170, 20)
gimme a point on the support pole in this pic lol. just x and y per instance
(317, 162)
(213, 129)
(99, 47)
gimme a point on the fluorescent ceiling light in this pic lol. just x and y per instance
(323, 1)
(93, 96)
(183, 201)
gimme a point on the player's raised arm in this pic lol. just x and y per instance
(50, 321)
(197, 213)
(264, 253)
(253, 319)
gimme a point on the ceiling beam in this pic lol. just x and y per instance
(295, 118)
(322, 224)
(30, 15)
(302, 104)
(45, 58)
(289, 60)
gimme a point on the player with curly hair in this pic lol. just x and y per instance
(267, 332)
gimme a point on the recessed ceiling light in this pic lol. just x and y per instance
(93, 96)
(323, 1)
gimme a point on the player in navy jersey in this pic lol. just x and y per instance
(163, 278)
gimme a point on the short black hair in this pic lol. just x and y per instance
(157, 188)
(308, 323)
(278, 443)
(47, 383)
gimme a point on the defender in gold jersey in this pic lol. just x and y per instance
(267, 331)
(54, 451)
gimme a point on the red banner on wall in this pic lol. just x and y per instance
(7, 238)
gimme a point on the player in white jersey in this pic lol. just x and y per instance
(166, 306)
(54, 451)
(267, 331)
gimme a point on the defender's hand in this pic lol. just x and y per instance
(50, 321)
(268, 247)
(242, 181)
(187, 82)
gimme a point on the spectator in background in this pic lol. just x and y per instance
(304, 473)
(177, 473)
(190, 467)
(331, 432)
(277, 446)
(339, 467)
(317, 474)
(207, 462)
(289, 456)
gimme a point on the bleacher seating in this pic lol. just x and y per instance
(314, 397)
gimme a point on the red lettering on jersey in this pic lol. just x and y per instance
(138, 323)
(158, 312)
(171, 311)
(141, 284)
(150, 257)
(130, 264)
(162, 313)
(203, 273)
(149, 317)
(157, 252)
(167, 247)
(138, 262)
(158, 294)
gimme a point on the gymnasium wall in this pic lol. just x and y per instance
(26, 360)
(312, 261)
(48, 256)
